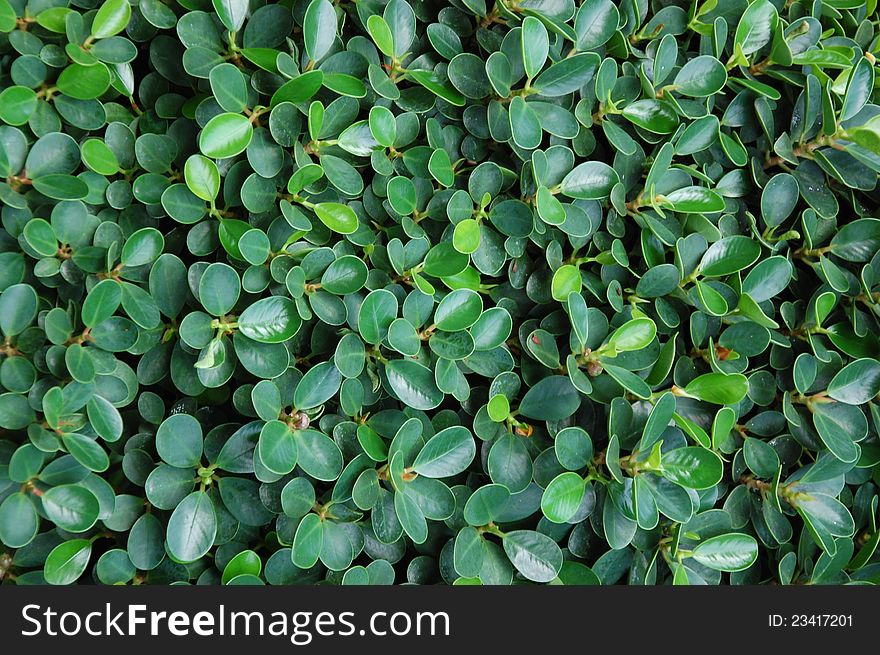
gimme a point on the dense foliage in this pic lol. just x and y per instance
(420, 291)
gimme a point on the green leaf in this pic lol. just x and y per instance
(573, 448)
(374, 446)
(61, 187)
(498, 408)
(381, 34)
(402, 336)
(535, 45)
(710, 299)
(693, 430)
(525, 125)
(104, 418)
(566, 280)
(18, 307)
(413, 384)
(595, 23)
(15, 412)
(377, 312)
(857, 383)
(229, 87)
(447, 453)
(486, 504)
(219, 289)
(466, 236)
(411, 518)
(192, 528)
(652, 115)
(840, 426)
(858, 89)
(297, 90)
(232, 13)
(67, 561)
(552, 399)
(658, 420)
(509, 463)
(827, 513)
(71, 507)
(86, 451)
(318, 385)
(718, 388)
(246, 562)
(142, 247)
(440, 167)
(297, 498)
(535, 556)
(345, 275)
(98, 157)
(562, 497)
(590, 181)
(84, 82)
(822, 59)
(693, 467)
(468, 552)
(319, 28)
(401, 18)
(695, 199)
(319, 456)
(402, 195)
(767, 278)
(338, 217)
(226, 135)
(568, 75)
(308, 541)
(18, 521)
(303, 177)
(17, 104)
(700, 77)
(382, 125)
(760, 458)
(270, 320)
(101, 303)
(658, 281)
(727, 552)
(729, 255)
(857, 241)
(756, 26)
(628, 380)
(179, 441)
(458, 310)
(278, 450)
(436, 85)
(635, 334)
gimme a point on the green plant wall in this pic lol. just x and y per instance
(466, 292)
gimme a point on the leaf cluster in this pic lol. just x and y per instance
(467, 292)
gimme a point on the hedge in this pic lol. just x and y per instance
(466, 292)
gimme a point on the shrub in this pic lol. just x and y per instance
(459, 292)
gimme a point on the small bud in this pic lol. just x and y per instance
(300, 421)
